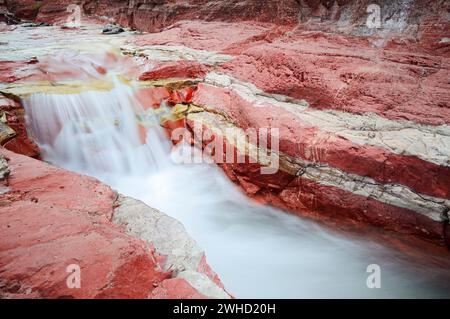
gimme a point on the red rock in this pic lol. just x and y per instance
(328, 204)
(399, 72)
(201, 35)
(153, 97)
(68, 223)
(10, 71)
(203, 267)
(348, 74)
(305, 196)
(142, 131)
(175, 69)
(170, 125)
(248, 171)
(156, 16)
(23, 146)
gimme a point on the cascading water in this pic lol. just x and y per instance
(257, 250)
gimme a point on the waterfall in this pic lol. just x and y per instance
(95, 132)
(257, 251)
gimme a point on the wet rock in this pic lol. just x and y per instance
(24, 9)
(152, 97)
(35, 24)
(112, 29)
(348, 77)
(213, 39)
(156, 15)
(6, 133)
(181, 96)
(66, 226)
(310, 134)
(349, 17)
(33, 60)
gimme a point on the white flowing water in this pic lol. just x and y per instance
(258, 251)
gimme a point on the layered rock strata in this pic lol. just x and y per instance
(54, 221)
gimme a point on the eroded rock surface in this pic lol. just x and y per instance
(52, 219)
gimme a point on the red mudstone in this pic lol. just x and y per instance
(326, 203)
(213, 38)
(350, 74)
(303, 195)
(11, 71)
(20, 143)
(175, 288)
(182, 96)
(171, 125)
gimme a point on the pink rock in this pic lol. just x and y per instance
(349, 74)
(51, 219)
(184, 95)
(20, 143)
(201, 35)
(152, 97)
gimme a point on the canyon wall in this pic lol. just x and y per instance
(348, 16)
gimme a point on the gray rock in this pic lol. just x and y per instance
(112, 29)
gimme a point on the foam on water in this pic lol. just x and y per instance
(257, 251)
